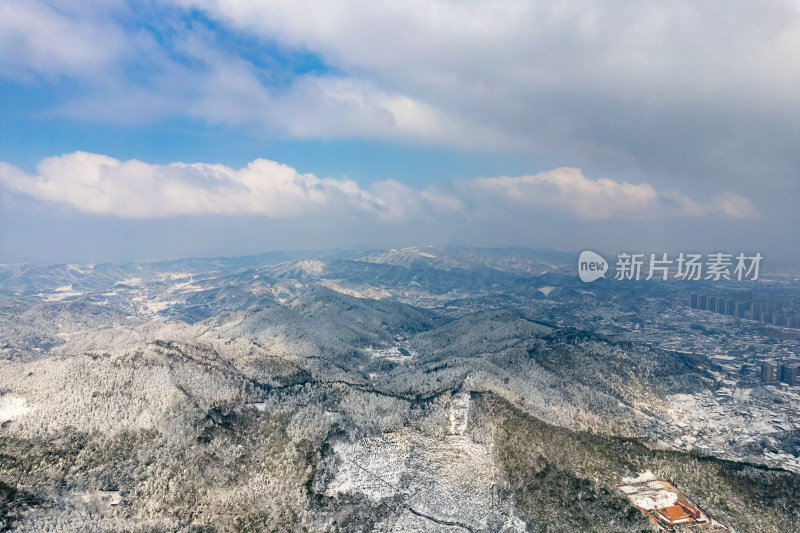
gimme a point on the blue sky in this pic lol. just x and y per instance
(203, 127)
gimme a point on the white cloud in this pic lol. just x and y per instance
(735, 206)
(679, 89)
(133, 189)
(41, 39)
(104, 185)
(402, 203)
(334, 107)
(224, 88)
(505, 53)
(568, 189)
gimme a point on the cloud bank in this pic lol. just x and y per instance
(679, 90)
(671, 110)
(104, 185)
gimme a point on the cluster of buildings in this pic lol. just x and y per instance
(669, 508)
(741, 304)
(785, 372)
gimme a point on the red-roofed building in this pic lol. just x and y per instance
(674, 514)
(690, 509)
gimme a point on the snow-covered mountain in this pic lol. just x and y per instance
(425, 389)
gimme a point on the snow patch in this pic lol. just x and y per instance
(546, 290)
(12, 407)
(459, 413)
(310, 266)
(372, 293)
(60, 293)
(641, 478)
(392, 353)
